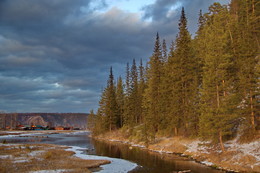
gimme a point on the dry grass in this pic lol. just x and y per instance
(26, 158)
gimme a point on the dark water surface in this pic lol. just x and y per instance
(149, 162)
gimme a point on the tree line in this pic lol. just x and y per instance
(205, 86)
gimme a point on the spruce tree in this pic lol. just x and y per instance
(127, 109)
(164, 51)
(153, 91)
(127, 82)
(141, 89)
(199, 44)
(91, 120)
(244, 35)
(186, 71)
(171, 93)
(101, 122)
(111, 107)
(219, 97)
(120, 100)
(133, 95)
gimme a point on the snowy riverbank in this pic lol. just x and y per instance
(115, 165)
(17, 133)
(38, 158)
(237, 157)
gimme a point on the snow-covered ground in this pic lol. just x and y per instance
(241, 154)
(17, 134)
(252, 148)
(116, 165)
(6, 134)
(23, 158)
(76, 132)
(50, 171)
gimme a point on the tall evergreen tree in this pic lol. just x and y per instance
(127, 80)
(171, 88)
(201, 22)
(120, 100)
(111, 110)
(91, 120)
(141, 89)
(219, 98)
(164, 51)
(133, 95)
(244, 35)
(101, 121)
(186, 77)
(199, 44)
(127, 109)
(153, 90)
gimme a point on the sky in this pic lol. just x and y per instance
(55, 55)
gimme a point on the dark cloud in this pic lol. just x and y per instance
(55, 55)
(161, 9)
(167, 11)
(35, 13)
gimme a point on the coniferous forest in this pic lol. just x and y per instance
(206, 86)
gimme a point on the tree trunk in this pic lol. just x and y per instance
(221, 141)
(218, 102)
(136, 118)
(231, 37)
(253, 7)
(121, 119)
(224, 92)
(175, 131)
(252, 111)
(110, 125)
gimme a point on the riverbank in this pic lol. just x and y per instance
(237, 157)
(37, 158)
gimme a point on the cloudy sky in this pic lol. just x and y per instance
(55, 54)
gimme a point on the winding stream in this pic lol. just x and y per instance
(149, 162)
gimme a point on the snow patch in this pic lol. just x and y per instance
(19, 134)
(138, 145)
(207, 163)
(50, 171)
(20, 160)
(252, 148)
(76, 132)
(8, 136)
(193, 146)
(116, 165)
(35, 153)
(5, 157)
(240, 150)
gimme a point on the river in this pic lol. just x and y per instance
(148, 162)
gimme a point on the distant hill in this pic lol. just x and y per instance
(76, 120)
